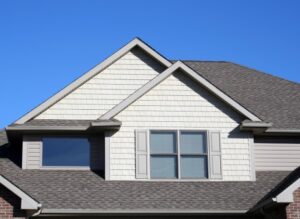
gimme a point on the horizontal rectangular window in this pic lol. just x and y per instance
(68, 152)
(178, 154)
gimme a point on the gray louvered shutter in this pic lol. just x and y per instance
(215, 156)
(141, 148)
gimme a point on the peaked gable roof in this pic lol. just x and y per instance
(271, 99)
(58, 96)
(176, 66)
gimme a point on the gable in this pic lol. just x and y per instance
(178, 102)
(106, 89)
(135, 43)
(201, 81)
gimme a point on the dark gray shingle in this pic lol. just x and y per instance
(67, 189)
(270, 98)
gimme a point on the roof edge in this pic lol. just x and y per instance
(140, 211)
(91, 73)
(27, 203)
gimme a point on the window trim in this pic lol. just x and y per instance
(178, 132)
(62, 167)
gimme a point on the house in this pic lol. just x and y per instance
(141, 136)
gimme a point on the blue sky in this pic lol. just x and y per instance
(44, 45)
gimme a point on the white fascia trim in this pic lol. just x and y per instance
(179, 65)
(275, 130)
(78, 82)
(27, 203)
(286, 196)
(256, 124)
(139, 211)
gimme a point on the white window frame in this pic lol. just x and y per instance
(178, 132)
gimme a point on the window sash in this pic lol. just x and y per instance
(83, 163)
(180, 155)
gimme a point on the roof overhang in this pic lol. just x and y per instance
(27, 203)
(112, 124)
(137, 212)
(255, 126)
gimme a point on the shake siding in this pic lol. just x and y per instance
(277, 156)
(180, 103)
(106, 89)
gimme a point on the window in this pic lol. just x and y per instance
(67, 152)
(178, 154)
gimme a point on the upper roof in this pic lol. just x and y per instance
(87, 191)
(269, 98)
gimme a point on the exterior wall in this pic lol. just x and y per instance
(33, 149)
(293, 209)
(10, 205)
(32, 152)
(180, 103)
(277, 154)
(105, 90)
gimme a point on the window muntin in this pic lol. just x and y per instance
(65, 152)
(178, 154)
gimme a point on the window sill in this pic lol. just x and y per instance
(64, 168)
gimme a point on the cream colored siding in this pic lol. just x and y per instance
(277, 156)
(31, 152)
(180, 103)
(106, 89)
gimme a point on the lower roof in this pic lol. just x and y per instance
(84, 190)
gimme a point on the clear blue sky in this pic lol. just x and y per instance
(44, 45)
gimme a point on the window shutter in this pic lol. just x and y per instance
(215, 156)
(141, 148)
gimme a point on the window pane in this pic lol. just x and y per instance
(163, 142)
(66, 152)
(163, 167)
(193, 167)
(192, 142)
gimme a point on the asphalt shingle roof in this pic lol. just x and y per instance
(55, 122)
(83, 189)
(270, 98)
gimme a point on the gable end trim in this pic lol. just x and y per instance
(27, 202)
(85, 77)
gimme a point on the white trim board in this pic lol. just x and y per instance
(176, 66)
(27, 202)
(78, 82)
(287, 196)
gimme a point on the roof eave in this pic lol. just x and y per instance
(119, 212)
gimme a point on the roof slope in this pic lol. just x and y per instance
(67, 189)
(270, 98)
